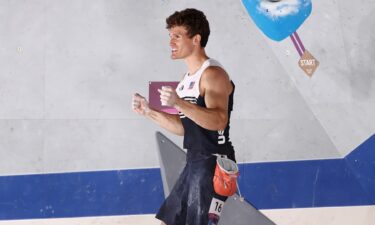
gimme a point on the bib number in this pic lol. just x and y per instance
(216, 206)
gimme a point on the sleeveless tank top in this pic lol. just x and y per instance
(197, 138)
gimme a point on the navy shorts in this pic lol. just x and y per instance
(193, 194)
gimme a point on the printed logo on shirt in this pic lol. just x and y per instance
(221, 137)
(192, 100)
(191, 85)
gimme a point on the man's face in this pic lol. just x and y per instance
(180, 42)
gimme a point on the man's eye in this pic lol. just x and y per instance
(175, 36)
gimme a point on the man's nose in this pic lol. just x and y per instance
(171, 42)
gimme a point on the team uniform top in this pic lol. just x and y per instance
(193, 194)
(196, 137)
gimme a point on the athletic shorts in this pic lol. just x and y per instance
(193, 196)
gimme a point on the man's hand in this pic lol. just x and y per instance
(168, 96)
(140, 104)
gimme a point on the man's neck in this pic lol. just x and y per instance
(195, 61)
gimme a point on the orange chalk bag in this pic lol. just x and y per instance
(225, 176)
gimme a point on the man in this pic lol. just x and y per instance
(204, 99)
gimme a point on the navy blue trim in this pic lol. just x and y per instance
(80, 194)
(312, 183)
(362, 163)
(300, 184)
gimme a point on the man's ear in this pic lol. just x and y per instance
(197, 39)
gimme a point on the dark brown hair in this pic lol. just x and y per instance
(193, 20)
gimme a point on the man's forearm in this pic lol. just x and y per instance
(172, 123)
(211, 119)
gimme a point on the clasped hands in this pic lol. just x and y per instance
(168, 97)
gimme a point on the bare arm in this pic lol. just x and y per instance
(216, 88)
(172, 123)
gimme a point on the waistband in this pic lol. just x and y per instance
(197, 154)
(202, 154)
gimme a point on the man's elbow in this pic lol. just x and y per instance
(180, 131)
(223, 122)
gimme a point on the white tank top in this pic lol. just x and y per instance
(188, 88)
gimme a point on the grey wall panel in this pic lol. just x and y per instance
(21, 60)
(99, 53)
(88, 145)
(356, 23)
(281, 140)
(21, 146)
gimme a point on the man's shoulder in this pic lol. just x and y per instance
(215, 73)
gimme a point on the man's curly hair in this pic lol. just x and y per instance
(193, 20)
